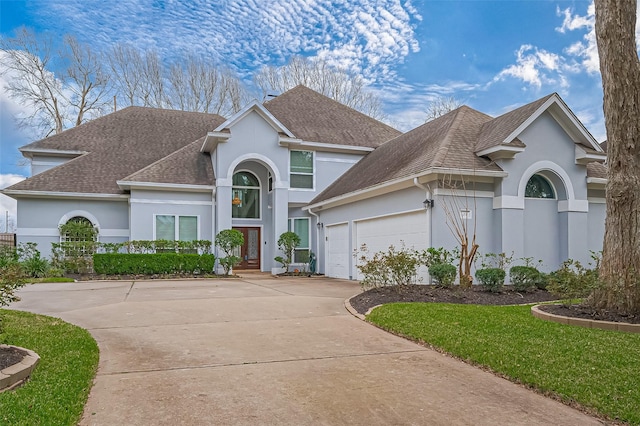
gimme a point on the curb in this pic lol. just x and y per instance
(604, 325)
(15, 375)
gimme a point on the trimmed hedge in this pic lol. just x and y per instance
(526, 278)
(491, 278)
(443, 274)
(152, 263)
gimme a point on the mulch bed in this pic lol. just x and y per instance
(10, 356)
(478, 296)
(586, 312)
(429, 293)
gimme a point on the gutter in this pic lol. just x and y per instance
(317, 235)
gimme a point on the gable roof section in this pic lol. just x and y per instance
(186, 166)
(313, 117)
(448, 142)
(504, 130)
(118, 145)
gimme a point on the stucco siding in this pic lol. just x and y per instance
(38, 219)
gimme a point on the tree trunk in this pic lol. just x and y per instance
(620, 69)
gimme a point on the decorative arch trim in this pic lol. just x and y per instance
(275, 172)
(550, 166)
(83, 213)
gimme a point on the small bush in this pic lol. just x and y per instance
(573, 281)
(390, 268)
(11, 279)
(526, 278)
(491, 278)
(152, 263)
(287, 243)
(444, 274)
(228, 240)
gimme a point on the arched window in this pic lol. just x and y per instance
(539, 186)
(78, 236)
(245, 203)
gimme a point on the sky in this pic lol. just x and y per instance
(492, 55)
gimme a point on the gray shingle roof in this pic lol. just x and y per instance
(597, 170)
(186, 166)
(495, 132)
(118, 145)
(446, 142)
(316, 118)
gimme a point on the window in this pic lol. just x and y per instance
(270, 182)
(301, 172)
(78, 237)
(245, 203)
(539, 187)
(171, 227)
(301, 228)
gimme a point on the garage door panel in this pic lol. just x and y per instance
(409, 229)
(337, 254)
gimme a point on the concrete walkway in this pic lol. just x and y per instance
(270, 351)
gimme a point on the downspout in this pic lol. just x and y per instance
(317, 236)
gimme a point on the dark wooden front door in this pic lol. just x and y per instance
(250, 250)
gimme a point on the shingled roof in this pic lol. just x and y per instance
(313, 117)
(117, 145)
(494, 132)
(446, 142)
(186, 166)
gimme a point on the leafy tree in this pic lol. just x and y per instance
(620, 69)
(228, 241)
(287, 243)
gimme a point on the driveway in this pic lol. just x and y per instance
(270, 351)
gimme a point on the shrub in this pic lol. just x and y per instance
(11, 279)
(526, 278)
(287, 243)
(572, 281)
(33, 265)
(491, 278)
(228, 240)
(444, 274)
(391, 268)
(8, 256)
(152, 263)
(432, 256)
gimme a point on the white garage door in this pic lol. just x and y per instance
(336, 248)
(380, 233)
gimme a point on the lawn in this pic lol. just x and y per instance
(60, 384)
(598, 369)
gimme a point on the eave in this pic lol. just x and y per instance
(14, 193)
(585, 157)
(320, 146)
(500, 152)
(29, 152)
(157, 186)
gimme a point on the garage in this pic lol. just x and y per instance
(379, 233)
(337, 253)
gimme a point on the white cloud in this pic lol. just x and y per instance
(366, 36)
(536, 66)
(8, 204)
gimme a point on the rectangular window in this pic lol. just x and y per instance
(301, 169)
(300, 227)
(173, 227)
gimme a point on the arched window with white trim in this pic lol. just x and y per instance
(539, 186)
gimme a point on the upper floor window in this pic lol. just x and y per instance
(301, 170)
(539, 186)
(245, 203)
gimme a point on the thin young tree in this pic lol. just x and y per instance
(615, 26)
(441, 105)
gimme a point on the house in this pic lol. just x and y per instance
(529, 182)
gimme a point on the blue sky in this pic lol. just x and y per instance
(492, 55)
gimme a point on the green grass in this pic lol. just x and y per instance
(50, 280)
(598, 369)
(60, 384)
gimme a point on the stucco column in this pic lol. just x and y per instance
(280, 218)
(512, 227)
(222, 217)
(577, 237)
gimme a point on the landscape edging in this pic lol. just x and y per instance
(587, 323)
(14, 375)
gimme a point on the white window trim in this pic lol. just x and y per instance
(79, 213)
(292, 228)
(259, 188)
(313, 174)
(176, 224)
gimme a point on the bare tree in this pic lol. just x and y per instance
(58, 101)
(189, 84)
(620, 69)
(440, 106)
(335, 83)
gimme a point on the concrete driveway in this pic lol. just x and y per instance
(270, 351)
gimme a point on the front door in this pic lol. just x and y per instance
(250, 250)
